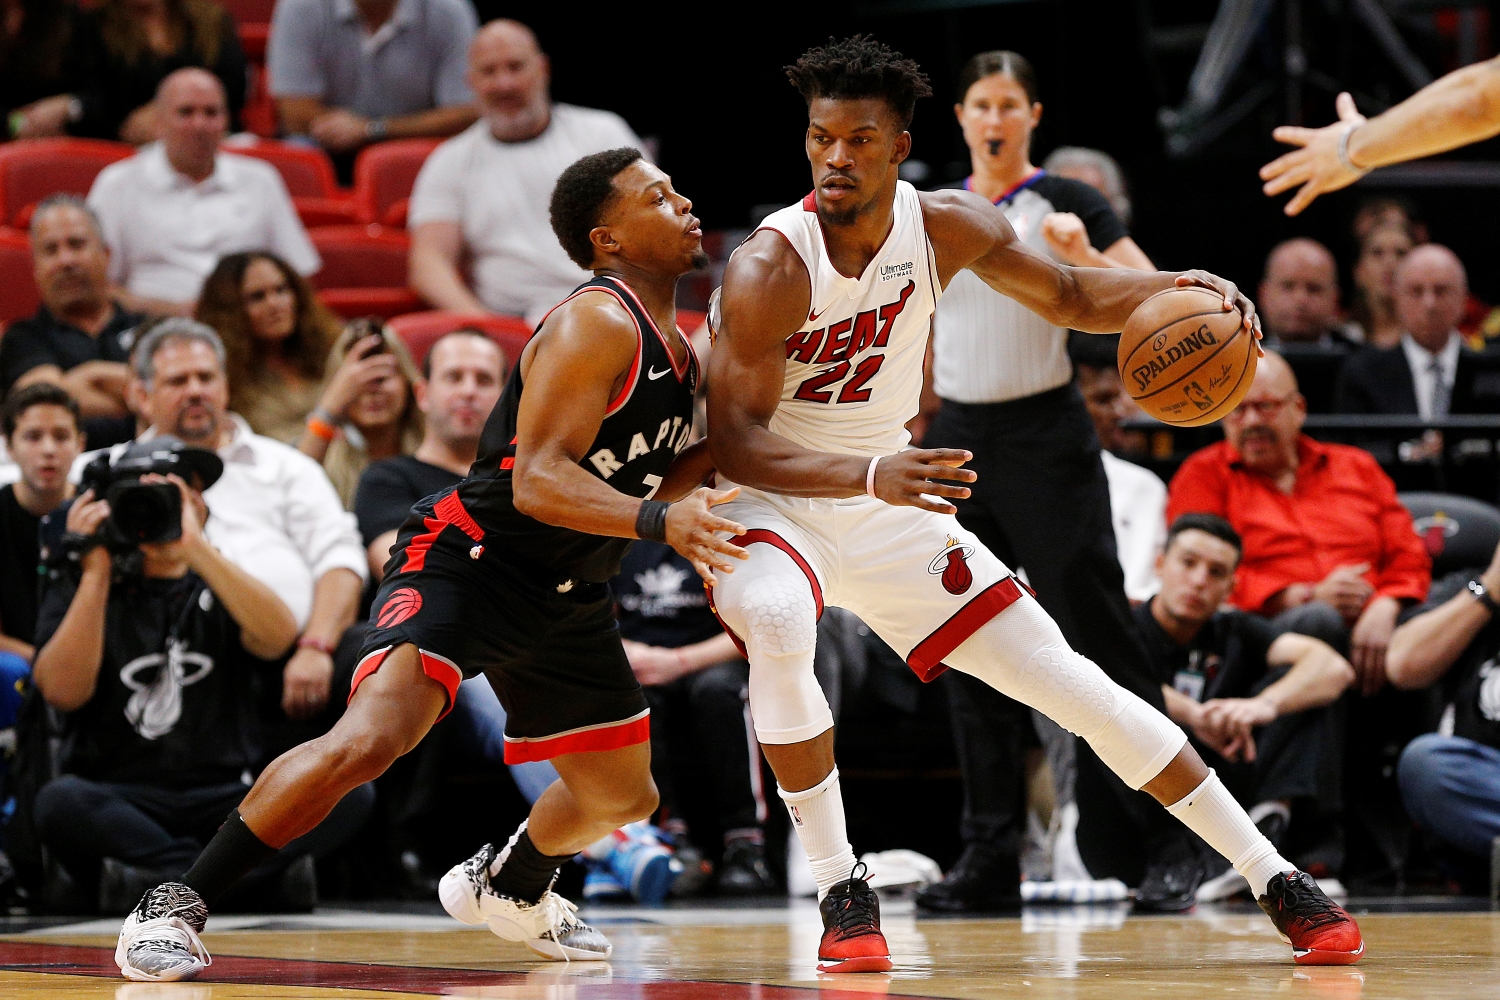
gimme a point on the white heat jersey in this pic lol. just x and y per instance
(854, 369)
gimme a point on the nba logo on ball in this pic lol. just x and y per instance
(952, 565)
(399, 607)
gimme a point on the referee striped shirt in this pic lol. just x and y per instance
(987, 347)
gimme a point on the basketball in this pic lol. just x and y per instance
(1183, 359)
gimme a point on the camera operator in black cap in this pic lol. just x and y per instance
(151, 641)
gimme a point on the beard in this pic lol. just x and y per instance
(840, 216)
(700, 259)
(197, 431)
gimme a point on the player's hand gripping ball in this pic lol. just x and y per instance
(1184, 358)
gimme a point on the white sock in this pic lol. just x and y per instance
(818, 817)
(1213, 814)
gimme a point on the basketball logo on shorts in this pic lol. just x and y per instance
(398, 607)
(952, 565)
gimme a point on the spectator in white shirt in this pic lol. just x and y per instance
(273, 513)
(1137, 496)
(172, 210)
(482, 196)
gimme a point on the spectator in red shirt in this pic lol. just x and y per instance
(1329, 550)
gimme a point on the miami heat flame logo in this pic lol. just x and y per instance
(952, 565)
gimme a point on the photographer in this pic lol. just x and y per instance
(151, 641)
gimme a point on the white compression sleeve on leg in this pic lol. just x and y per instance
(1022, 653)
(1213, 814)
(768, 603)
(818, 817)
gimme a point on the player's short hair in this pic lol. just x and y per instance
(580, 197)
(1012, 64)
(37, 394)
(859, 67)
(1210, 524)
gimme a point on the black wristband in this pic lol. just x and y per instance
(651, 522)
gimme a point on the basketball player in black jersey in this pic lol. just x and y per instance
(505, 574)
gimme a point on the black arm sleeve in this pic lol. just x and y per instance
(1067, 195)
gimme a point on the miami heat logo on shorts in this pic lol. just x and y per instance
(952, 564)
(398, 607)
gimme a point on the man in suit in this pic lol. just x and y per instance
(1430, 373)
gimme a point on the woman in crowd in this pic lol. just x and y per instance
(368, 410)
(138, 43)
(277, 338)
(1374, 305)
(43, 45)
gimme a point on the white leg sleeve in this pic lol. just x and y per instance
(1022, 653)
(768, 603)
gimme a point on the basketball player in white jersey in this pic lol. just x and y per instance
(821, 324)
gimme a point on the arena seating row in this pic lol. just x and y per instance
(359, 233)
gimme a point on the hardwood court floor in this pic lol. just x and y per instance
(769, 953)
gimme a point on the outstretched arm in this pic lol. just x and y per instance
(968, 232)
(1460, 108)
(580, 359)
(764, 299)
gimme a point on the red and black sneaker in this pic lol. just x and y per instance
(852, 941)
(1316, 927)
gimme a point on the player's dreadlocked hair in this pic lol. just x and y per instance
(579, 198)
(860, 67)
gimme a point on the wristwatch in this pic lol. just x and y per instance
(1482, 595)
(376, 129)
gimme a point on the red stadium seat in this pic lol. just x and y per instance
(33, 169)
(420, 330)
(250, 11)
(383, 177)
(309, 178)
(19, 297)
(364, 271)
(253, 39)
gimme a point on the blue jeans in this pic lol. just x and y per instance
(1451, 787)
(484, 733)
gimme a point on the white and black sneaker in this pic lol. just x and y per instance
(550, 926)
(159, 942)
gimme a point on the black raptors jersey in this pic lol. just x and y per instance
(644, 428)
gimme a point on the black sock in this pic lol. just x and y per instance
(525, 872)
(234, 850)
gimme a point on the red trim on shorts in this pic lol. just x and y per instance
(416, 549)
(439, 668)
(926, 660)
(770, 538)
(452, 510)
(586, 739)
(449, 510)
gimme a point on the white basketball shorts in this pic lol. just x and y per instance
(920, 580)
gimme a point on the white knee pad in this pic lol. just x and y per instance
(768, 603)
(1022, 653)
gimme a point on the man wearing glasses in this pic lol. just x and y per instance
(1328, 549)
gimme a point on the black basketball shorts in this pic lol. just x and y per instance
(554, 659)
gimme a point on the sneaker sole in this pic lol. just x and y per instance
(863, 963)
(555, 952)
(136, 975)
(1316, 956)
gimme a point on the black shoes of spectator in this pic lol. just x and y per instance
(744, 871)
(122, 885)
(983, 880)
(1171, 883)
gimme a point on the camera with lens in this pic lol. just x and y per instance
(146, 513)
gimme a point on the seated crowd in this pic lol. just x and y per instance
(1283, 596)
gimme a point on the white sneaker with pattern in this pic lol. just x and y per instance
(159, 942)
(550, 926)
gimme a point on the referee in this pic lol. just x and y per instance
(1041, 502)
